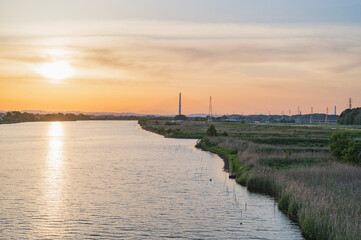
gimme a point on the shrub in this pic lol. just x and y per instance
(339, 142)
(353, 153)
(284, 202)
(344, 148)
(293, 209)
(316, 228)
(204, 142)
(259, 184)
(212, 131)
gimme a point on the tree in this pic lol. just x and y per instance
(212, 131)
(345, 149)
(180, 118)
(339, 142)
(350, 116)
(353, 152)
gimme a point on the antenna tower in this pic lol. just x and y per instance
(298, 110)
(350, 103)
(311, 114)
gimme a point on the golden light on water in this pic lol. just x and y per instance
(54, 170)
(56, 70)
(55, 130)
(54, 160)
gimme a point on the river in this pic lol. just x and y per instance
(111, 179)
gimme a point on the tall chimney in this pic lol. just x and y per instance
(180, 104)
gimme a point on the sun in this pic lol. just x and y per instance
(57, 70)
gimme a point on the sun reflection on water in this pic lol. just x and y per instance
(54, 160)
(54, 176)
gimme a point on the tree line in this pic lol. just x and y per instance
(350, 117)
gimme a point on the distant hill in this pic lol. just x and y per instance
(350, 117)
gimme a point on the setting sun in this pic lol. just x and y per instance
(56, 70)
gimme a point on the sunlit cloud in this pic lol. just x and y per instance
(241, 64)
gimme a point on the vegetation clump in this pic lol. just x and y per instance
(344, 148)
(180, 118)
(212, 131)
(168, 123)
(350, 117)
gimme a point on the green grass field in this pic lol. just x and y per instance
(290, 162)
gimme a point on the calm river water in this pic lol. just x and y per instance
(110, 179)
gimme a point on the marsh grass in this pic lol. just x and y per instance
(293, 164)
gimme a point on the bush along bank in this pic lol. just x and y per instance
(321, 194)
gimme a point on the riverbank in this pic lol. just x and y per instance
(290, 163)
(20, 117)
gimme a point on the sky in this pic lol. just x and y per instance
(263, 56)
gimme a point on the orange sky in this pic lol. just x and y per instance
(140, 66)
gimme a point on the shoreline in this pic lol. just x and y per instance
(226, 168)
(224, 158)
(292, 164)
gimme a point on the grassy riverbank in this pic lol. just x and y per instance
(291, 163)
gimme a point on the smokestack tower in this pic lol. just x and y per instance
(180, 104)
(210, 112)
(326, 115)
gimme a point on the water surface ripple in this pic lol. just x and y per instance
(112, 180)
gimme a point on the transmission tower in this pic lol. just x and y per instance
(311, 114)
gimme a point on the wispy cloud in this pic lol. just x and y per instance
(228, 60)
